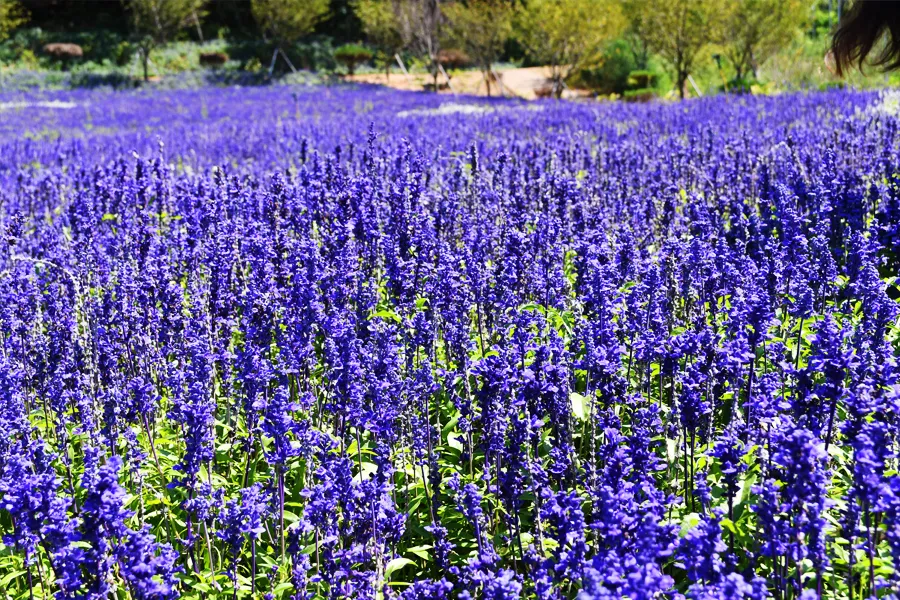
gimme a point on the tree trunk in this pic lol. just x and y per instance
(145, 56)
(557, 76)
(682, 79)
(197, 23)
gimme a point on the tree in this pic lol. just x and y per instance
(156, 22)
(757, 29)
(481, 28)
(379, 23)
(286, 21)
(419, 23)
(568, 35)
(12, 15)
(678, 30)
(635, 33)
(352, 55)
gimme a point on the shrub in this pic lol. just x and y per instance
(175, 63)
(29, 60)
(253, 65)
(639, 95)
(639, 80)
(352, 55)
(611, 75)
(123, 54)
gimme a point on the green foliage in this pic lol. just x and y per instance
(288, 20)
(155, 22)
(567, 35)
(29, 59)
(636, 33)
(679, 30)
(618, 74)
(419, 23)
(379, 24)
(639, 95)
(480, 28)
(800, 65)
(124, 53)
(113, 61)
(822, 18)
(611, 76)
(642, 79)
(161, 20)
(777, 44)
(754, 30)
(12, 16)
(352, 55)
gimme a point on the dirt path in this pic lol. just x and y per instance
(518, 82)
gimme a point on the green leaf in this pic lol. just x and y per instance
(728, 524)
(688, 522)
(281, 587)
(11, 576)
(532, 307)
(420, 551)
(450, 426)
(395, 565)
(388, 314)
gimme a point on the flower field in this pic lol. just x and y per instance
(356, 343)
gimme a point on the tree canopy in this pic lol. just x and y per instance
(481, 28)
(678, 30)
(12, 15)
(566, 35)
(756, 29)
(156, 22)
(287, 21)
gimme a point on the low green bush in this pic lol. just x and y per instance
(611, 75)
(352, 55)
(639, 95)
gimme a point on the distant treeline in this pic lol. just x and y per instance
(630, 48)
(235, 17)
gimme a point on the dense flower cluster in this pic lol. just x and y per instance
(339, 344)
